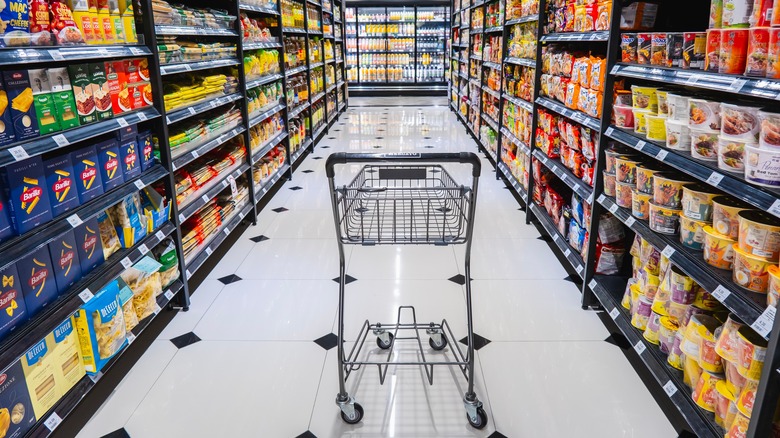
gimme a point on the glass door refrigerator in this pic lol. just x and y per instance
(372, 45)
(432, 28)
(350, 15)
(400, 44)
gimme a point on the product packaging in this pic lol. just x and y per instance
(15, 14)
(128, 151)
(145, 150)
(61, 184)
(88, 244)
(144, 280)
(62, 95)
(7, 134)
(13, 311)
(16, 410)
(23, 184)
(110, 169)
(130, 224)
(100, 325)
(89, 182)
(6, 229)
(36, 275)
(82, 91)
(100, 90)
(20, 95)
(45, 110)
(65, 260)
(108, 236)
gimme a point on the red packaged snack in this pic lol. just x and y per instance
(114, 87)
(63, 25)
(588, 144)
(40, 25)
(644, 43)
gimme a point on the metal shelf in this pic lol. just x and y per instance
(491, 92)
(265, 113)
(316, 64)
(494, 29)
(262, 189)
(521, 61)
(493, 65)
(518, 188)
(31, 55)
(297, 110)
(171, 69)
(526, 19)
(317, 96)
(267, 145)
(198, 258)
(519, 102)
(492, 123)
(516, 141)
(293, 30)
(566, 176)
(210, 191)
(191, 30)
(259, 9)
(263, 80)
(577, 116)
(301, 151)
(295, 70)
(572, 256)
(261, 45)
(204, 105)
(576, 36)
(210, 144)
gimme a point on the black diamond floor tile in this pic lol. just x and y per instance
(119, 433)
(331, 138)
(479, 341)
(317, 158)
(347, 279)
(619, 340)
(307, 434)
(325, 147)
(336, 130)
(429, 147)
(296, 188)
(458, 279)
(379, 138)
(258, 239)
(497, 434)
(328, 341)
(279, 210)
(232, 278)
(427, 138)
(185, 340)
(308, 171)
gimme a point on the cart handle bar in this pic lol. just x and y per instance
(437, 157)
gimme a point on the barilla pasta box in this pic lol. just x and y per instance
(89, 246)
(89, 182)
(20, 94)
(128, 151)
(82, 92)
(36, 274)
(17, 415)
(66, 354)
(110, 169)
(65, 260)
(13, 312)
(39, 374)
(100, 325)
(6, 125)
(45, 110)
(24, 185)
(100, 90)
(61, 183)
(62, 95)
(6, 230)
(145, 150)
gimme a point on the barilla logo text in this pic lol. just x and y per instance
(7, 297)
(90, 242)
(16, 75)
(88, 173)
(5, 382)
(112, 164)
(3, 378)
(63, 330)
(31, 193)
(66, 259)
(147, 151)
(38, 277)
(61, 185)
(34, 354)
(130, 160)
(109, 310)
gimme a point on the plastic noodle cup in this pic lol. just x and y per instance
(623, 193)
(747, 397)
(641, 316)
(640, 205)
(725, 215)
(664, 266)
(663, 102)
(752, 352)
(718, 249)
(678, 107)
(731, 154)
(762, 166)
(733, 51)
(692, 233)
(704, 393)
(625, 169)
(682, 290)
(758, 52)
(773, 290)
(709, 360)
(651, 331)
(691, 311)
(624, 116)
(626, 301)
(647, 251)
(609, 184)
(691, 371)
(656, 127)
(644, 98)
(674, 358)
(750, 272)
(727, 345)
(666, 332)
(705, 301)
(664, 220)
(667, 190)
(724, 398)
(759, 234)
(704, 114)
(697, 201)
(678, 135)
(644, 177)
(692, 335)
(739, 427)
(770, 129)
(651, 282)
(640, 122)
(704, 144)
(611, 164)
(735, 380)
(635, 245)
(636, 292)
(740, 122)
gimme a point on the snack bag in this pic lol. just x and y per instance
(128, 220)
(100, 325)
(598, 67)
(166, 255)
(108, 235)
(40, 25)
(126, 299)
(64, 26)
(143, 278)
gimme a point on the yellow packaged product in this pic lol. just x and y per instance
(100, 325)
(143, 278)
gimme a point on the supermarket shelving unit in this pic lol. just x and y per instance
(605, 292)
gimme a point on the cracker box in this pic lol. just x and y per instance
(65, 260)
(20, 95)
(17, 415)
(61, 183)
(38, 368)
(82, 91)
(89, 246)
(101, 92)
(89, 182)
(15, 15)
(100, 325)
(6, 125)
(128, 151)
(145, 150)
(13, 312)
(69, 365)
(6, 230)
(62, 95)
(36, 274)
(110, 169)
(24, 185)
(43, 101)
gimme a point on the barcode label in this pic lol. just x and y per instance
(609, 131)
(139, 184)
(580, 268)
(19, 153)
(670, 389)
(143, 249)
(136, 51)
(53, 421)
(209, 251)
(227, 231)
(661, 154)
(714, 179)
(763, 324)
(614, 313)
(86, 295)
(639, 347)
(142, 116)
(613, 208)
(74, 220)
(630, 221)
(159, 235)
(592, 284)
(126, 263)
(613, 71)
(168, 294)
(555, 237)
(601, 198)
(130, 338)
(191, 110)
(181, 217)
(668, 252)
(640, 145)
(195, 154)
(775, 208)
(122, 122)
(567, 252)
(721, 293)
(205, 198)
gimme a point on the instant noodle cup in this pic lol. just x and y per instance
(704, 114)
(677, 311)
(773, 290)
(683, 291)
(666, 332)
(725, 398)
(664, 220)
(656, 127)
(747, 397)
(750, 272)
(758, 52)
(641, 316)
(733, 51)
(623, 98)
(762, 166)
(609, 184)
(663, 102)
(752, 353)
(644, 177)
(626, 301)
(725, 215)
(651, 331)
(727, 345)
(667, 190)
(704, 144)
(636, 292)
(759, 234)
(739, 427)
(731, 154)
(735, 380)
(611, 163)
(737, 13)
(709, 360)
(740, 122)
(624, 116)
(691, 371)
(679, 106)
(628, 46)
(773, 55)
(692, 335)
(644, 98)
(712, 58)
(625, 169)
(705, 301)
(718, 249)
(623, 194)
(697, 201)
(716, 14)
(650, 283)
(770, 129)
(640, 204)
(674, 359)
(640, 122)
(649, 257)
(678, 135)
(692, 310)
(692, 233)
(704, 393)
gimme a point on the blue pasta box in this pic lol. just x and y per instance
(61, 182)
(100, 325)
(89, 246)
(20, 98)
(36, 275)
(6, 230)
(28, 199)
(65, 259)
(110, 170)
(128, 151)
(145, 149)
(15, 404)
(13, 312)
(89, 183)
(7, 135)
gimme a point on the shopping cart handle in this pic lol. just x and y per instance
(372, 189)
(435, 157)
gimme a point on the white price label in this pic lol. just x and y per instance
(53, 421)
(19, 153)
(139, 184)
(592, 284)
(563, 177)
(579, 269)
(169, 295)
(775, 208)
(122, 122)
(227, 231)
(167, 120)
(614, 313)
(187, 271)
(692, 80)
(613, 208)
(721, 293)
(126, 263)
(609, 131)
(195, 154)
(86, 295)
(763, 324)
(601, 198)
(639, 347)
(668, 252)
(567, 252)
(670, 389)
(130, 338)
(614, 69)
(224, 183)
(630, 221)
(187, 67)
(60, 139)
(181, 217)
(74, 220)
(205, 198)
(213, 103)
(159, 235)
(136, 51)
(191, 110)
(590, 199)
(661, 154)
(56, 55)
(736, 85)
(640, 145)
(143, 249)
(714, 179)
(142, 116)
(209, 251)
(555, 237)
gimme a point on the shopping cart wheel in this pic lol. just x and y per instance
(358, 415)
(384, 345)
(481, 419)
(438, 347)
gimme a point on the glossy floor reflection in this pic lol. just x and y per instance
(257, 372)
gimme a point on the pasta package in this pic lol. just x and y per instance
(13, 312)
(108, 236)
(28, 200)
(61, 184)
(38, 283)
(45, 111)
(82, 91)
(16, 410)
(65, 260)
(128, 221)
(166, 255)
(111, 172)
(7, 134)
(88, 245)
(100, 325)
(39, 374)
(20, 97)
(101, 92)
(143, 278)
(62, 95)
(126, 299)
(68, 363)
(89, 183)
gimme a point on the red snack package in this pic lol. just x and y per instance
(63, 25)
(40, 25)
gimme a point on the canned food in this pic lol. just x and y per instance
(644, 177)
(725, 215)
(656, 127)
(658, 49)
(759, 234)
(625, 169)
(640, 205)
(704, 144)
(752, 353)
(773, 53)
(712, 59)
(758, 52)
(727, 345)
(704, 114)
(682, 287)
(640, 121)
(644, 43)
(644, 98)
(679, 107)
(773, 291)
(704, 394)
(628, 47)
(664, 220)
(762, 166)
(731, 154)
(750, 272)
(692, 310)
(733, 51)
(697, 201)
(667, 190)
(692, 233)
(678, 135)
(718, 249)
(609, 184)
(694, 50)
(623, 193)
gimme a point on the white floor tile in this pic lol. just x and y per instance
(293, 259)
(303, 224)
(502, 259)
(201, 300)
(233, 258)
(410, 262)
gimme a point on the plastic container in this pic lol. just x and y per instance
(747, 397)
(727, 345)
(641, 315)
(739, 427)
(623, 194)
(705, 301)
(653, 326)
(758, 52)
(692, 233)
(759, 234)
(735, 380)
(709, 360)
(770, 129)
(725, 398)
(625, 169)
(750, 272)
(644, 177)
(752, 353)
(762, 166)
(624, 116)
(640, 205)
(682, 287)
(704, 144)
(666, 334)
(704, 114)
(667, 190)
(725, 215)
(640, 122)
(656, 127)
(733, 51)
(612, 155)
(697, 201)
(609, 184)
(704, 393)
(773, 290)
(731, 154)
(740, 122)
(678, 135)
(644, 98)
(718, 249)
(675, 355)
(663, 102)
(664, 220)
(679, 106)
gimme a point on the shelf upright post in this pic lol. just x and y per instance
(768, 393)
(589, 299)
(160, 127)
(415, 59)
(478, 120)
(287, 103)
(499, 135)
(534, 118)
(343, 16)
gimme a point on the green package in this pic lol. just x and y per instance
(62, 95)
(43, 101)
(100, 90)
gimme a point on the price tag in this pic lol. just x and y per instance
(53, 421)
(763, 324)
(670, 389)
(143, 249)
(721, 293)
(692, 80)
(555, 237)
(775, 208)
(74, 220)
(661, 154)
(714, 179)
(136, 51)
(630, 221)
(613, 208)
(130, 338)
(95, 377)
(205, 198)
(601, 198)
(614, 313)
(567, 252)
(736, 85)
(19, 153)
(181, 217)
(86, 295)
(187, 67)
(195, 154)
(168, 294)
(592, 285)
(126, 263)
(590, 199)
(191, 110)
(142, 116)
(122, 122)
(225, 183)
(563, 177)
(609, 131)
(159, 235)
(640, 145)
(187, 271)
(233, 186)
(209, 251)
(580, 269)
(668, 252)
(139, 184)
(614, 69)
(639, 347)
(213, 103)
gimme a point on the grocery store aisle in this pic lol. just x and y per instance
(264, 362)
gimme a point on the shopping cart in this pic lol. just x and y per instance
(405, 200)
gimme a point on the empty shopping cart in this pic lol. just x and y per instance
(405, 199)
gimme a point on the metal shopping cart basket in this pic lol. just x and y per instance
(405, 199)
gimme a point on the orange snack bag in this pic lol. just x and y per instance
(598, 68)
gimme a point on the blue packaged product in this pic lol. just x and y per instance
(89, 182)
(37, 279)
(28, 199)
(128, 152)
(13, 312)
(6, 230)
(90, 248)
(65, 259)
(100, 325)
(7, 135)
(110, 170)
(61, 183)
(145, 149)
(15, 400)
(20, 100)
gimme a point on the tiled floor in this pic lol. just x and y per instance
(256, 372)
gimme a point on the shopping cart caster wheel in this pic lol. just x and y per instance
(383, 345)
(479, 424)
(438, 347)
(358, 415)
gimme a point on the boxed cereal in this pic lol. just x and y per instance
(65, 259)
(90, 250)
(128, 151)
(13, 312)
(6, 126)
(145, 149)
(110, 169)
(124, 98)
(61, 183)
(100, 325)
(100, 90)
(36, 275)
(82, 90)
(6, 230)
(43, 101)
(69, 366)
(62, 94)
(89, 182)
(17, 415)
(15, 23)
(23, 184)
(20, 94)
